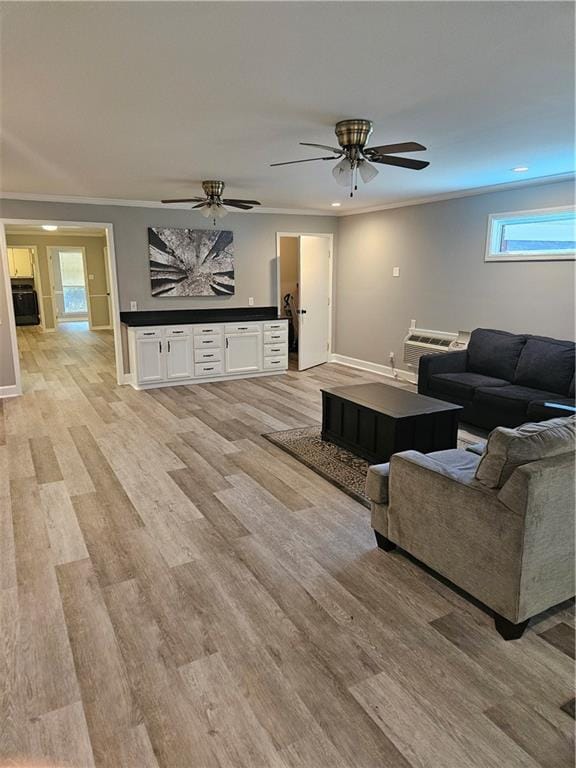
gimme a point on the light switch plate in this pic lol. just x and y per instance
(395, 271)
(251, 301)
(133, 306)
(90, 277)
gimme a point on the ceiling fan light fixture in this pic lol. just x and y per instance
(367, 171)
(342, 172)
(206, 211)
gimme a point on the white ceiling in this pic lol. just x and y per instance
(141, 101)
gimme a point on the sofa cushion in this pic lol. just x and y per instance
(494, 353)
(510, 448)
(511, 398)
(462, 385)
(546, 364)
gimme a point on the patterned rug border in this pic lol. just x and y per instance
(318, 470)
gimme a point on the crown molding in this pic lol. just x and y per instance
(470, 192)
(78, 200)
(463, 193)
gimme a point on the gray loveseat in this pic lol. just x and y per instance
(502, 379)
(498, 525)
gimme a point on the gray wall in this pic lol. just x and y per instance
(444, 282)
(254, 242)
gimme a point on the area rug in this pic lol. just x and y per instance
(340, 467)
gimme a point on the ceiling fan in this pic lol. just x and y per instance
(357, 158)
(213, 204)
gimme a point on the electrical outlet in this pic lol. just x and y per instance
(133, 306)
(395, 271)
(251, 301)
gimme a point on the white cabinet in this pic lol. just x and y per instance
(243, 352)
(150, 360)
(20, 262)
(178, 357)
(183, 354)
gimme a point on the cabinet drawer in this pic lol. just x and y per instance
(271, 337)
(276, 325)
(276, 350)
(242, 328)
(202, 330)
(208, 369)
(148, 333)
(178, 330)
(207, 355)
(275, 362)
(210, 340)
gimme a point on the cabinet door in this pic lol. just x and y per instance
(22, 262)
(243, 352)
(150, 360)
(178, 357)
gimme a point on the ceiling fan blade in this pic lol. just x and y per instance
(184, 200)
(386, 149)
(201, 205)
(402, 162)
(337, 150)
(243, 206)
(232, 200)
(308, 160)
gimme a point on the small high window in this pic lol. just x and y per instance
(544, 235)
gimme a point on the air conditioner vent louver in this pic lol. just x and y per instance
(419, 342)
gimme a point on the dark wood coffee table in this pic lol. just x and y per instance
(376, 420)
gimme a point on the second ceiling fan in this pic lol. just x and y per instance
(356, 158)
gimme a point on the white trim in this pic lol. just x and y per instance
(113, 287)
(462, 193)
(10, 391)
(101, 328)
(330, 236)
(150, 204)
(381, 370)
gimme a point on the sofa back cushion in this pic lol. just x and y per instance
(494, 353)
(507, 449)
(546, 364)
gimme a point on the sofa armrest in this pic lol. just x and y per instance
(450, 362)
(377, 483)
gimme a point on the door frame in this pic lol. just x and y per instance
(73, 248)
(121, 377)
(330, 307)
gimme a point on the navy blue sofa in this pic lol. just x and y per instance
(502, 379)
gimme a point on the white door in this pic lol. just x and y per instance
(178, 358)
(243, 352)
(314, 301)
(150, 356)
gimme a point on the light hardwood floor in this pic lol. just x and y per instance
(176, 592)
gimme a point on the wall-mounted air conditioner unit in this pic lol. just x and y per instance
(420, 341)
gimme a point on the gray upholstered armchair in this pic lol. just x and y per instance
(498, 525)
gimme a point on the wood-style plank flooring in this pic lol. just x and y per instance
(176, 592)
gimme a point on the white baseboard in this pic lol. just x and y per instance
(101, 328)
(10, 391)
(381, 370)
(126, 378)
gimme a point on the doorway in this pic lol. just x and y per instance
(75, 283)
(304, 284)
(68, 276)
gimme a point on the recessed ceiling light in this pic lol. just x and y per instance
(335, 205)
(520, 168)
(49, 227)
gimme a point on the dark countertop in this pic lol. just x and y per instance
(194, 316)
